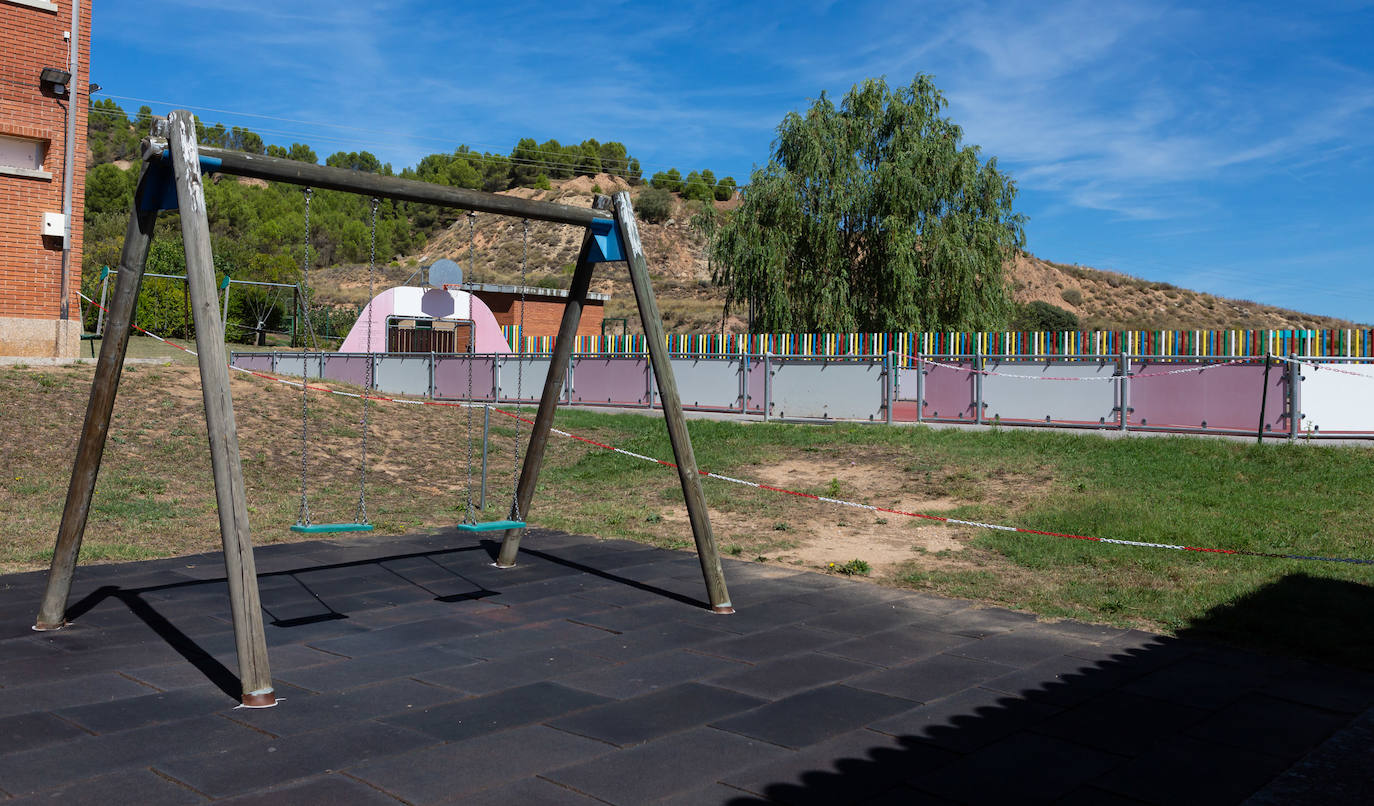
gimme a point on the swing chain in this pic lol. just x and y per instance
(472, 347)
(361, 516)
(519, 375)
(303, 518)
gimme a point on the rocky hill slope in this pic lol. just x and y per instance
(1101, 299)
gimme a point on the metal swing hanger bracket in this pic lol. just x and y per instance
(324, 177)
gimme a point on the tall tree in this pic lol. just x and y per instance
(872, 216)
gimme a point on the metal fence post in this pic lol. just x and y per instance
(920, 388)
(1294, 397)
(1124, 392)
(891, 387)
(743, 383)
(429, 392)
(767, 385)
(978, 388)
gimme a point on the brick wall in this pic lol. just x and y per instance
(542, 314)
(31, 38)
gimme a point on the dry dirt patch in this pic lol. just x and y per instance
(800, 531)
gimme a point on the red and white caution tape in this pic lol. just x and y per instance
(1327, 367)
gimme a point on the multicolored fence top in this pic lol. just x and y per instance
(1351, 343)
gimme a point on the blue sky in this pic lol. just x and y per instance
(1225, 147)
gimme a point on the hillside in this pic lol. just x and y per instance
(1102, 300)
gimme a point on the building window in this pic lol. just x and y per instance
(428, 336)
(23, 156)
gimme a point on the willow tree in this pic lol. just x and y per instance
(872, 216)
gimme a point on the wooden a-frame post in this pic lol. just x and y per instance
(172, 171)
(632, 252)
(152, 193)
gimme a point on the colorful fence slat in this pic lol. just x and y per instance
(1349, 343)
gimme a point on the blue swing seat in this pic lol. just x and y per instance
(490, 526)
(318, 528)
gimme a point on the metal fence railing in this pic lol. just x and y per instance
(1245, 395)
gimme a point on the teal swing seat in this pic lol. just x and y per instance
(490, 526)
(320, 528)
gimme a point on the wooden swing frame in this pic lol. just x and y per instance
(171, 178)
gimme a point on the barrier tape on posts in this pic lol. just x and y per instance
(794, 493)
(1325, 367)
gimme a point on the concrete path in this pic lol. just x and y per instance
(412, 671)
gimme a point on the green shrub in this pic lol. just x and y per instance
(1039, 315)
(655, 205)
(1072, 296)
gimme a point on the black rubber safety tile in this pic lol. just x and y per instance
(1269, 725)
(1145, 649)
(871, 618)
(1092, 633)
(551, 609)
(896, 647)
(31, 731)
(498, 711)
(182, 673)
(650, 673)
(640, 719)
(1200, 684)
(220, 774)
(401, 636)
(127, 786)
(349, 603)
(981, 622)
(1022, 768)
(650, 640)
(1122, 723)
(279, 635)
(711, 795)
(847, 594)
(516, 641)
(618, 594)
(103, 686)
(784, 676)
(149, 709)
(851, 768)
(517, 670)
(1064, 680)
(321, 790)
(87, 757)
(966, 721)
(36, 671)
(778, 642)
(931, 678)
(757, 616)
(639, 616)
(674, 764)
(526, 792)
(1342, 690)
(1024, 647)
(813, 716)
(1089, 795)
(1182, 771)
(354, 672)
(306, 713)
(448, 772)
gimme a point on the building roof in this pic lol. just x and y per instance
(529, 291)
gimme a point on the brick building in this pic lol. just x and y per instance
(543, 308)
(43, 62)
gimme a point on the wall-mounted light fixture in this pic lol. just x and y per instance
(56, 79)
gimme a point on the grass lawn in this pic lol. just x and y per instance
(155, 498)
